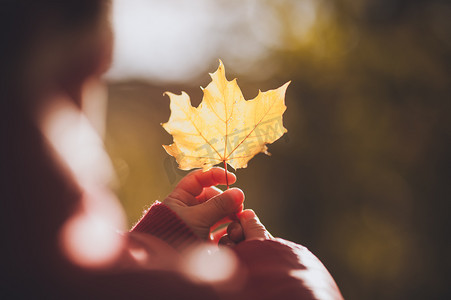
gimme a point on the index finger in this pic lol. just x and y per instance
(196, 181)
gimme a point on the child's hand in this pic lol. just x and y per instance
(201, 205)
(247, 228)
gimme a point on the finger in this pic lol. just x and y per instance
(228, 219)
(252, 227)
(235, 232)
(226, 241)
(216, 235)
(195, 181)
(190, 200)
(220, 206)
(207, 193)
(221, 223)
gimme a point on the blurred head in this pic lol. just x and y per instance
(52, 47)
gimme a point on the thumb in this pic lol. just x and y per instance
(220, 206)
(252, 227)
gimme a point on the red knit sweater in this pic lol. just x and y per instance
(163, 223)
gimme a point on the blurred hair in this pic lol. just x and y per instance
(46, 40)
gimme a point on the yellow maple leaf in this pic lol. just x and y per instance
(225, 128)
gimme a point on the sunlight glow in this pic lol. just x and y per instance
(177, 40)
(76, 142)
(315, 276)
(139, 254)
(91, 241)
(208, 263)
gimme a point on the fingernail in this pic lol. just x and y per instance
(237, 195)
(235, 231)
(230, 174)
(233, 227)
(247, 214)
(231, 177)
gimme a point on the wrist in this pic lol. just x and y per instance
(162, 222)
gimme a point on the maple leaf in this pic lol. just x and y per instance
(224, 128)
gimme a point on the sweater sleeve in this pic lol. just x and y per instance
(162, 222)
(279, 269)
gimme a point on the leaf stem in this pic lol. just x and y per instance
(225, 170)
(233, 217)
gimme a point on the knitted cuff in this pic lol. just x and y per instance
(162, 222)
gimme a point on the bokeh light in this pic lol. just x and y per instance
(209, 264)
(91, 241)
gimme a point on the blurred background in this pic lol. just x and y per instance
(363, 176)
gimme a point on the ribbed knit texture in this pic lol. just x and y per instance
(162, 222)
